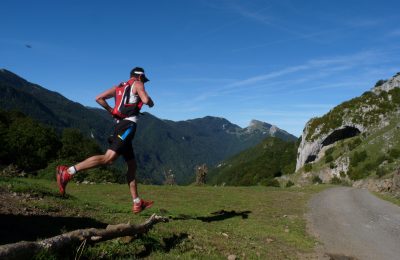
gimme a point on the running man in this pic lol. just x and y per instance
(129, 98)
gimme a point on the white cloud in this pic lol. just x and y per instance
(199, 80)
(316, 65)
(394, 33)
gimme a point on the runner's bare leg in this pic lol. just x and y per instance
(97, 160)
(131, 177)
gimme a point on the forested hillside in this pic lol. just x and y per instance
(258, 165)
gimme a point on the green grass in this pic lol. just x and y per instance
(268, 223)
(389, 197)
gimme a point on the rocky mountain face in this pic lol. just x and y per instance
(266, 129)
(387, 85)
(357, 139)
(160, 145)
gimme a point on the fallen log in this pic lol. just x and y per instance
(27, 249)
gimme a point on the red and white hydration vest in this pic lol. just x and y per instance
(127, 104)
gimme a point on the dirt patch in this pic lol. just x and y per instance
(21, 204)
(14, 203)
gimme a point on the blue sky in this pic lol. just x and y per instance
(282, 62)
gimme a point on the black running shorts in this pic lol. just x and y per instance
(121, 140)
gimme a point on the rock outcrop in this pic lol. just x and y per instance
(309, 150)
(266, 130)
(391, 185)
(390, 84)
(351, 118)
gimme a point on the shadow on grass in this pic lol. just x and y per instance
(14, 228)
(217, 216)
(169, 243)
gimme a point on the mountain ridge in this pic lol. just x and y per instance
(160, 144)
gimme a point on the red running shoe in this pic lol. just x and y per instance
(142, 205)
(63, 177)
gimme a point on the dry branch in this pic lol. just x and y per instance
(26, 249)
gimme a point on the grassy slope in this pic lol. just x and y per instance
(275, 227)
(389, 197)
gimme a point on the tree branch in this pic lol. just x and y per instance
(26, 249)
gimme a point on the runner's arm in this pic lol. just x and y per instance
(143, 94)
(101, 98)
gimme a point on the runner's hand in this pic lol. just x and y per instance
(150, 103)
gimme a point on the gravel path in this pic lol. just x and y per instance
(355, 223)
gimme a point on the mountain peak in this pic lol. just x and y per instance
(263, 127)
(268, 130)
(386, 85)
(256, 124)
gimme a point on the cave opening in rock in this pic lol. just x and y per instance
(310, 158)
(340, 134)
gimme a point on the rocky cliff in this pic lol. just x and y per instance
(362, 115)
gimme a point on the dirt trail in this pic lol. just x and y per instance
(355, 223)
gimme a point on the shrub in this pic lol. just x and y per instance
(336, 181)
(332, 165)
(307, 167)
(381, 159)
(355, 174)
(353, 144)
(395, 93)
(381, 172)
(271, 183)
(328, 159)
(394, 153)
(369, 167)
(87, 147)
(316, 179)
(329, 151)
(358, 157)
(380, 82)
(274, 183)
(289, 184)
(342, 174)
(30, 144)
